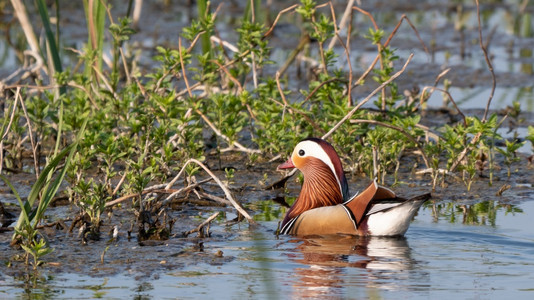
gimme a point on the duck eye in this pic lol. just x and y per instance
(301, 152)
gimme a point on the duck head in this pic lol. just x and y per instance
(324, 181)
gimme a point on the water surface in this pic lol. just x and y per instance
(488, 252)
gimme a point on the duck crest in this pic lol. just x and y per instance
(336, 164)
(320, 188)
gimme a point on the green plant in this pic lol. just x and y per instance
(509, 153)
(229, 173)
(92, 198)
(37, 248)
(26, 232)
(203, 93)
(52, 41)
(120, 32)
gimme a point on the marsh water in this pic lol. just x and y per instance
(461, 245)
(489, 257)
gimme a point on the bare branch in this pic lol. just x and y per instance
(488, 62)
(202, 225)
(378, 89)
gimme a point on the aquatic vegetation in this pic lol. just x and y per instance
(134, 127)
(45, 188)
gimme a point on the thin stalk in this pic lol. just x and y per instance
(95, 13)
(57, 22)
(22, 16)
(54, 51)
(203, 6)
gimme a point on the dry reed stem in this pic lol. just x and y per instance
(254, 74)
(185, 91)
(195, 41)
(217, 199)
(11, 118)
(183, 68)
(137, 12)
(429, 134)
(404, 17)
(92, 28)
(232, 78)
(175, 193)
(342, 23)
(30, 133)
(158, 188)
(433, 88)
(106, 82)
(464, 152)
(349, 88)
(440, 75)
(226, 44)
(277, 79)
(23, 71)
(202, 225)
(126, 71)
(22, 16)
(121, 181)
(424, 97)
(334, 21)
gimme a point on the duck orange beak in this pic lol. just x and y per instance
(287, 165)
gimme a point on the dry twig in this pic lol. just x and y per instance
(227, 192)
(202, 225)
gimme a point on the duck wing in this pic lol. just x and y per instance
(374, 199)
(347, 218)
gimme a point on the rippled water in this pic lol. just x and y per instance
(440, 257)
(489, 256)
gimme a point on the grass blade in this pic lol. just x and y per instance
(43, 182)
(54, 51)
(24, 206)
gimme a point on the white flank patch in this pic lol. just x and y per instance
(394, 221)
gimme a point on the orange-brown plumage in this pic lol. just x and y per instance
(320, 188)
(323, 207)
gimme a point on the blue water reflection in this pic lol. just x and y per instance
(437, 259)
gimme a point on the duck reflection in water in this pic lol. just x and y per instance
(333, 263)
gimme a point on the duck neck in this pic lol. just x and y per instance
(320, 188)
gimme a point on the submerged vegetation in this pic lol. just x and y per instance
(116, 132)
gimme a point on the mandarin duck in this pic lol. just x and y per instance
(324, 207)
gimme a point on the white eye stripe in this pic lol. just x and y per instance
(313, 149)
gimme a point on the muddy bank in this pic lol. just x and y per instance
(146, 259)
